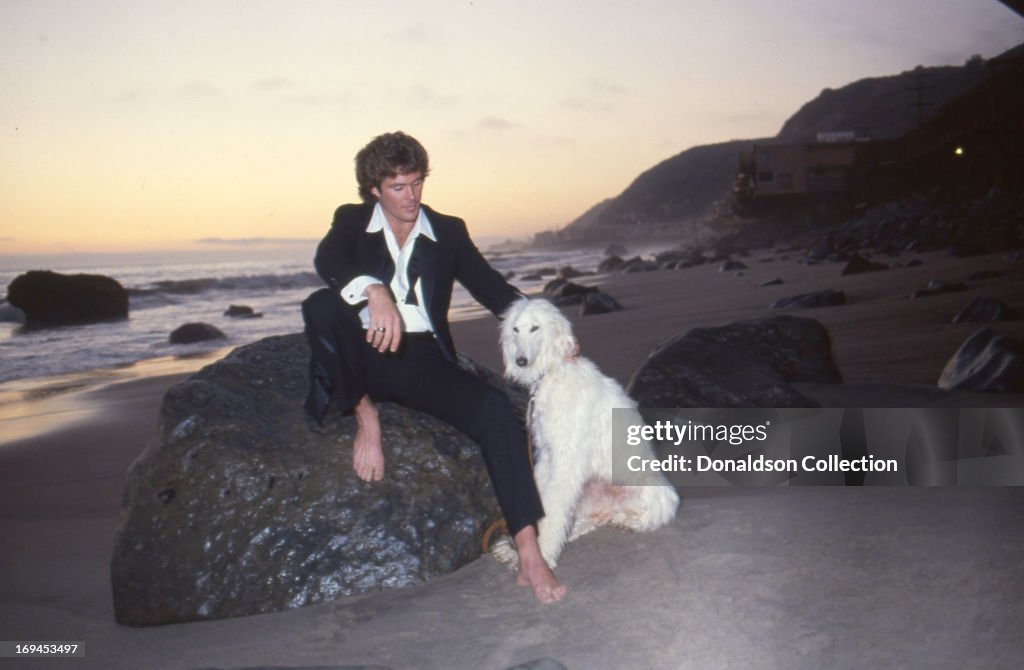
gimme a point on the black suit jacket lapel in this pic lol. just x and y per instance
(378, 260)
(423, 264)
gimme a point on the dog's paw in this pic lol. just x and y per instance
(505, 553)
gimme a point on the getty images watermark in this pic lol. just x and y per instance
(842, 447)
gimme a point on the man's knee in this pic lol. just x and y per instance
(496, 414)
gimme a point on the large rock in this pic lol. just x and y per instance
(241, 505)
(742, 364)
(188, 333)
(986, 362)
(54, 299)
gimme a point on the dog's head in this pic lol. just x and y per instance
(534, 338)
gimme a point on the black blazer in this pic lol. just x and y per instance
(348, 251)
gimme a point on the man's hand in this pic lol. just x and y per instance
(385, 333)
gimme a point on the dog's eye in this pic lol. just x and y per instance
(534, 329)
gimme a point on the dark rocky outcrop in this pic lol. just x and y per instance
(859, 265)
(730, 266)
(241, 505)
(54, 299)
(195, 332)
(569, 272)
(638, 265)
(742, 364)
(598, 303)
(242, 312)
(827, 298)
(771, 282)
(983, 310)
(986, 362)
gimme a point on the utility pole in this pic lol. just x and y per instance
(919, 88)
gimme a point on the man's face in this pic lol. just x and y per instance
(399, 197)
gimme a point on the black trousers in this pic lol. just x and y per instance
(345, 367)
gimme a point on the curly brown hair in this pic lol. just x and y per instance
(387, 156)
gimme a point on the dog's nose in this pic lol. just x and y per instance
(521, 361)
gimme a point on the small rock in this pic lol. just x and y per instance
(771, 282)
(986, 362)
(986, 310)
(242, 312)
(568, 293)
(598, 303)
(610, 264)
(195, 332)
(729, 266)
(569, 272)
(859, 265)
(827, 298)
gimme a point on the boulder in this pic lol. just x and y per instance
(241, 505)
(827, 298)
(195, 332)
(610, 264)
(54, 299)
(569, 272)
(242, 312)
(566, 293)
(742, 364)
(730, 266)
(638, 265)
(859, 265)
(598, 303)
(986, 310)
(986, 362)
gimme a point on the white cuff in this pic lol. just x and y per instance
(353, 292)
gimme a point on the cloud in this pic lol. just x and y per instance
(495, 124)
(8, 239)
(255, 241)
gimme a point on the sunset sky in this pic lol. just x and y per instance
(143, 125)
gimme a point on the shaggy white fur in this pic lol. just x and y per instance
(571, 429)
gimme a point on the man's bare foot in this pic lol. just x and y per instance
(367, 449)
(533, 569)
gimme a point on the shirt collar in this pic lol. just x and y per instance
(421, 227)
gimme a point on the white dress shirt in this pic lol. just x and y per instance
(414, 317)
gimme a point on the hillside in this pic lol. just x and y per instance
(686, 187)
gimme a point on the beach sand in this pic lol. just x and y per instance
(753, 577)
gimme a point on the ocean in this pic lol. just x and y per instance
(170, 289)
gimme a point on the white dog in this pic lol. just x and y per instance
(570, 426)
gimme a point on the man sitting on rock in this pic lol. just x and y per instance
(394, 262)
